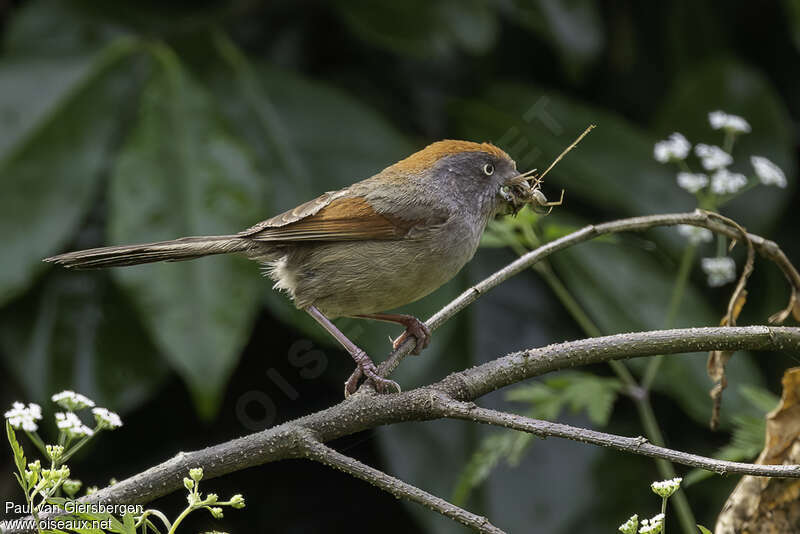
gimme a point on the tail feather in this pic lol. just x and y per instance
(185, 248)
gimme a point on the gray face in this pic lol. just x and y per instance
(480, 180)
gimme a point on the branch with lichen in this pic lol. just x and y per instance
(453, 396)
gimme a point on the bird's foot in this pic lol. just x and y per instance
(416, 328)
(366, 367)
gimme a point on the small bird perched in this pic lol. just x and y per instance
(374, 246)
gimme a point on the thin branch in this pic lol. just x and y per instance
(471, 412)
(317, 451)
(768, 249)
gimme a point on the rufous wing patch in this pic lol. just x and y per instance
(341, 219)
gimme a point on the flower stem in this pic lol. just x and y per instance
(678, 290)
(34, 437)
(180, 518)
(67, 455)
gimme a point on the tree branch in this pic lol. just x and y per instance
(366, 410)
(471, 412)
(317, 451)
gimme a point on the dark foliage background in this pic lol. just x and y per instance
(137, 121)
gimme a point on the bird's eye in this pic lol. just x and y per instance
(488, 169)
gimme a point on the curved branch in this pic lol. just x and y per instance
(469, 411)
(768, 249)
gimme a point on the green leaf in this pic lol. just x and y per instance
(182, 173)
(56, 28)
(574, 28)
(19, 455)
(419, 28)
(704, 530)
(760, 398)
(77, 331)
(54, 154)
(580, 391)
(492, 449)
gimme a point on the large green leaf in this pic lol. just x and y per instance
(56, 28)
(420, 28)
(76, 331)
(182, 173)
(59, 135)
(574, 28)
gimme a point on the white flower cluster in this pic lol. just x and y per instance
(69, 400)
(106, 418)
(768, 172)
(674, 148)
(732, 123)
(630, 526)
(20, 416)
(716, 160)
(720, 271)
(654, 525)
(692, 182)
(665, 488)
(24, 417)
(71, 424)
(724, 181)
(712, 157)
(695, 234)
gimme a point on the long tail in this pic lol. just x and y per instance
(185, 248)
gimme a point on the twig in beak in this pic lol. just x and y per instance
(570, 147)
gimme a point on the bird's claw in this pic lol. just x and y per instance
(368, 369)
(419, 330)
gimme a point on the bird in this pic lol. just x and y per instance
(369, 248)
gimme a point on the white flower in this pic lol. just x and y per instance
(724, 181)
(630, 526)
(69, 400)
(695, 234)
(674, 148)
(666, 488)
(653, 525)
(712, 157)
(720, 271)
(106, 419)
(21, 417)
(768, 172)
(72, 425)
(692, 182)
(733, 123)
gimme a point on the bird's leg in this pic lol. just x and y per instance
(414, 327)
(364, 364)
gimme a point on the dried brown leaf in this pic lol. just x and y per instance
(761, 505)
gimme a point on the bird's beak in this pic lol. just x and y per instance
(522, 192)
